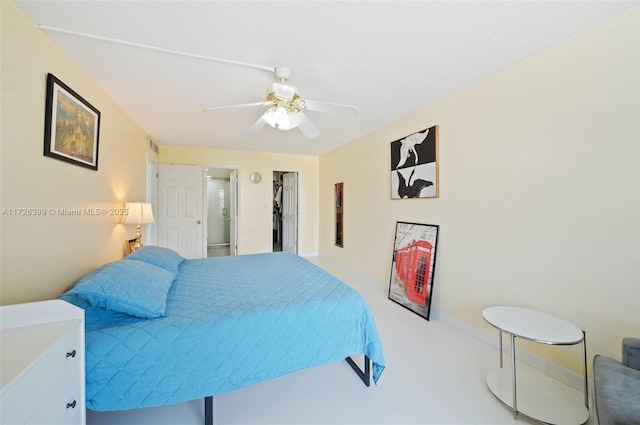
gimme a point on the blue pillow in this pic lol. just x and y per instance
(132, 287)
(158, 256)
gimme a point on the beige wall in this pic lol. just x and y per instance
(539, 189)
(255, 201)
(41, 256)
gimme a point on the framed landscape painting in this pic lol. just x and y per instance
(414, 165)
(72, 126)
(413, 266)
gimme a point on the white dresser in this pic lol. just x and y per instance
(42, 369)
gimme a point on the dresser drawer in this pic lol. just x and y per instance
(36, 383)
(64, 406)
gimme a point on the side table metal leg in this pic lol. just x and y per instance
(500, 346)
(584, 363)
(513, 376)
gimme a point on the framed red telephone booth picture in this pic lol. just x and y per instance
(413, 266)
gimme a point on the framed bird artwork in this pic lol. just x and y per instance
(414, 165)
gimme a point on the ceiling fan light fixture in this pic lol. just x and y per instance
(286, 108)
(279, 117)
(268, 117)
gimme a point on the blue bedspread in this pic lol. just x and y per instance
(230, 322)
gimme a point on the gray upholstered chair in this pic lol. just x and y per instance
(616, 386)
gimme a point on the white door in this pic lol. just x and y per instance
(290, 212)
(181, 209)
(233, 212)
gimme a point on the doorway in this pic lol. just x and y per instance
(221, 206)
(285, 211)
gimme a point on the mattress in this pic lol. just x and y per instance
(230, 322)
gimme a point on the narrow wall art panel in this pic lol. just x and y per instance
(414, 165)
(339, 192)
(413, 266)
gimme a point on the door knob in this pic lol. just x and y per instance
(199, 222)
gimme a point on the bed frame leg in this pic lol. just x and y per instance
(364, 376)
(208, 410)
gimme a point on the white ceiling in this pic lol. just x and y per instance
(387, 58)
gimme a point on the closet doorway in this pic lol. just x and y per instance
(221, 204)
(285, 211)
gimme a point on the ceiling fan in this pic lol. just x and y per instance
(286, 108)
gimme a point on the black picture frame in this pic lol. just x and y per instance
(72, 126)
(413, 266)
(415, 165)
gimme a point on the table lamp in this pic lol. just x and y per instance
(139, 213)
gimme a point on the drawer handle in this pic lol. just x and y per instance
(71, 405)
(71, 354)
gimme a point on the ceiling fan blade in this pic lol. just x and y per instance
(332, 108)
(255, 127)
(307, 127)
(242, 105)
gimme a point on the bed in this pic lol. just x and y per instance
(161, 329)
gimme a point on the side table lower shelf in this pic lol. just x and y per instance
(540, 397)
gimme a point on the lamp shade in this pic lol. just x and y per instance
(282, 119)
(139, 213)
